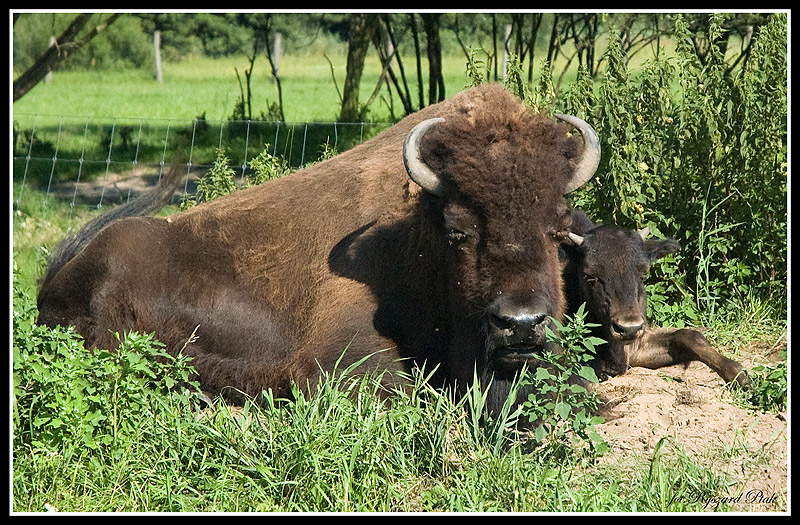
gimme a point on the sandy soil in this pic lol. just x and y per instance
(689, 404)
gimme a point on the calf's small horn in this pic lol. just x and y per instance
(415, 166)
(576, 239)
(587, 165)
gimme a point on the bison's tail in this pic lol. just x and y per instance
(147, 203)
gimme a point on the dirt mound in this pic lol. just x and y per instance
(688, 403)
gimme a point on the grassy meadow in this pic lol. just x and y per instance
(109, 432)
(199, 85)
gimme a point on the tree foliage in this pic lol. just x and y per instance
(697, 150)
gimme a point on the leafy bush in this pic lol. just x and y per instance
(769, 391)
(694, 152)
(266, 167)
(62, 391)
(700, 154)
(219, 180)
(560, 406)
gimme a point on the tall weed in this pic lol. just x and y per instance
(698, 154)
(62, 391)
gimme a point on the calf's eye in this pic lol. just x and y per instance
(559, 235)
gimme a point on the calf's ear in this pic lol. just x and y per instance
(658, 248)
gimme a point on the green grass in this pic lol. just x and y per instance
(77, 116)
(199, 85)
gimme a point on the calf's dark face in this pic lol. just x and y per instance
(613, 266)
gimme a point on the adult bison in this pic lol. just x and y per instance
(605, 267)
(457, 268)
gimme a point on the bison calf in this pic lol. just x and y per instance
(605, 267)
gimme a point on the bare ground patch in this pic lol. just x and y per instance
(115, 188)
(689, 404)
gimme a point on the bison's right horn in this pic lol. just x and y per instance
(415, 166)
(590, 159)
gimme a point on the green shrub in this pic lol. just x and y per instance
(769, 390)
(220, 181)
(62, 391)
(700, 154)
(694, 152)
(562, 409)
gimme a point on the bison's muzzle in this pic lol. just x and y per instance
(516, 327)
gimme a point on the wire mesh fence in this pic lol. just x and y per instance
(101, 162)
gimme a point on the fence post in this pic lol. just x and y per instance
(49, 76)
(157, 51)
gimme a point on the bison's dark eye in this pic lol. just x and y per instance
(456, 236)
(591, 279)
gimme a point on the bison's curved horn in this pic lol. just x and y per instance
(590, 159)
(644, 232)
(415, 166)
(576, 239)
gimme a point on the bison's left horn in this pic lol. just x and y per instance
(590, 159)
(415, 166)
(644, 232)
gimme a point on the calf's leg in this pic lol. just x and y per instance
(661, 347)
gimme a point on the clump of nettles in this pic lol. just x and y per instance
(769, 390)
(267, 167)
(220, 181)
(562, 409)
(64, 392)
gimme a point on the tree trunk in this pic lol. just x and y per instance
(49, 76)
(274, 57)
(506, 39)
(50, 59)
(435, 80)
(362, 28)
(420, 87)
(54, 55)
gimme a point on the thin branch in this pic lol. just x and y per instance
(55, 54)
(335, 84)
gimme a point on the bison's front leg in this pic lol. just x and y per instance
(661, 347)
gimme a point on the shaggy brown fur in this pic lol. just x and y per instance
(276, 281)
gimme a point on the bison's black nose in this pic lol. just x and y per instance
(513, 323)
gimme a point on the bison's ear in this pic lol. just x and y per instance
(658, 248)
